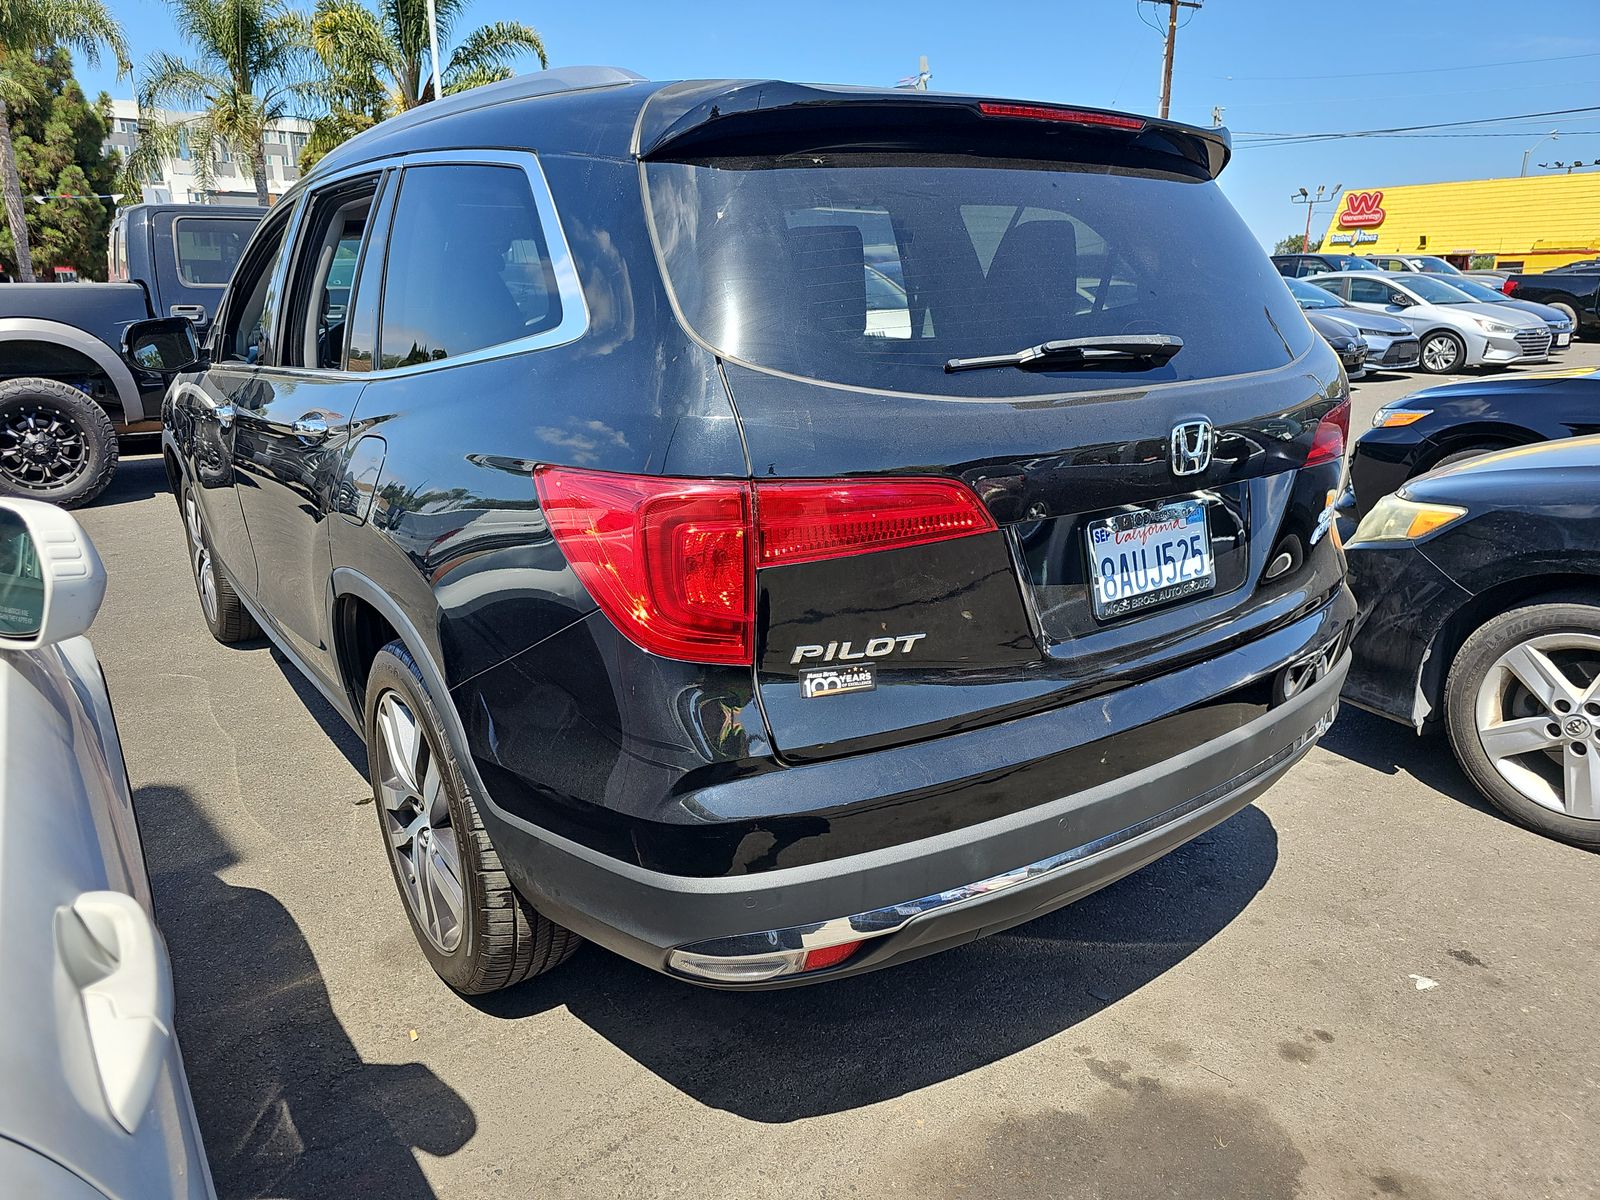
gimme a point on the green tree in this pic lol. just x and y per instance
(377, 64)
(249, 66)
(59, 141)
(26, 27)
(1296, 243)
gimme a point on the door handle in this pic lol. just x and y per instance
(225, 413)
(113, 956)
(195, 312)
(311, 427)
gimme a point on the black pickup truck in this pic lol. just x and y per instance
(1574, 289)
(67, 391)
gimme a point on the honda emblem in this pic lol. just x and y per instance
(1191, 447)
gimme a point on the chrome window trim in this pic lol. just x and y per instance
(574, 310)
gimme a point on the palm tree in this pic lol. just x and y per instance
(248, 69)
(26, 28)
(377, 64)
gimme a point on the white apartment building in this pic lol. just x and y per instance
(232, 179)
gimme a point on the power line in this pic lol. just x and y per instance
(1270, 138)
(1515, 62)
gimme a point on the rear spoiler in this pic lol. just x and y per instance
(731, 117)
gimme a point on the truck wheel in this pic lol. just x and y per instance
(477, 932)
(226, 616)
(56, 444)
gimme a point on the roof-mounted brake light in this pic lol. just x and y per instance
(1072, 116)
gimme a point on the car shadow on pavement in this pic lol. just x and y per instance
(287, 1107)
(785, 1055)
(1395, 749)
(140, 475)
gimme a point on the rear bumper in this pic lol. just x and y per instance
(979, 879)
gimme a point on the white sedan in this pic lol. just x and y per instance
(93, 1098)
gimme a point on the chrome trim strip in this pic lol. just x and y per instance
(879, 922)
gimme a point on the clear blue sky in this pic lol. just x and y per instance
(1274, 65)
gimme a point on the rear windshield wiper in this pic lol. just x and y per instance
(1152, 349)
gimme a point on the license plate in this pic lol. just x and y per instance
(1151, 556)
(1562, 339)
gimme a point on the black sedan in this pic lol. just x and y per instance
(1346, 341)
(1479, 588)
(1456, 421)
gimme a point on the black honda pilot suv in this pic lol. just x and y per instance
(773, 531)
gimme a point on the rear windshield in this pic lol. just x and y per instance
(872, 271)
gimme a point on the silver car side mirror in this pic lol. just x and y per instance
(51, 580)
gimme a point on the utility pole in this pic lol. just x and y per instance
(1172, 40)
(1311, 200)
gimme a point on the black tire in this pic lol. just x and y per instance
(224, 613)
(1571, 613)
(501, 939)
(1456, 456)
(56, 444)
(1450, 353)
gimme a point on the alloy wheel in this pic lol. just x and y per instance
(1538, 719)
(205, 570)
(416, 818)
(1439, 354)
(42, 448)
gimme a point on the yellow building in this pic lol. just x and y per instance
(1529, 224)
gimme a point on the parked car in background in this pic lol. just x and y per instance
(1413, 262)
(1451, 422)
(1392, 345)
(1346, 341)
(687, 602)
(1455, 330)
(94, 1102)
(67, 393)
(1480, 610)
(1572, 289)
(1581, 266)
(1298, 266)
(1555, 319)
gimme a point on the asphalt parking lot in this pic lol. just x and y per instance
(1367, 984)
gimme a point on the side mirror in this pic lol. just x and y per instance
(51, 580)
(163, 346)
(1400, 300)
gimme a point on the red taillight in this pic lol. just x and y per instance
(828, 956)
(804, 522)
(1509, 287)
(1043, 112)
(1327, 445)
(666, 559)
(672, 561)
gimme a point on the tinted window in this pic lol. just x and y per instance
(1312, 266)
(324, 275)
(1369, 291)
(252, 306)
(468, 266)
(872, 272)
(1308, 295)
(209, 248)
(21, 580)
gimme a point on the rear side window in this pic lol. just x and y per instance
(468, 265)
(208, 248)
(1369, 291)
(872, 271)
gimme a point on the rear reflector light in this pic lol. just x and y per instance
(671, 561)
(1509, 287)
(1328, 443)
(828, 956)
(804, 522)
(1074, 116)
